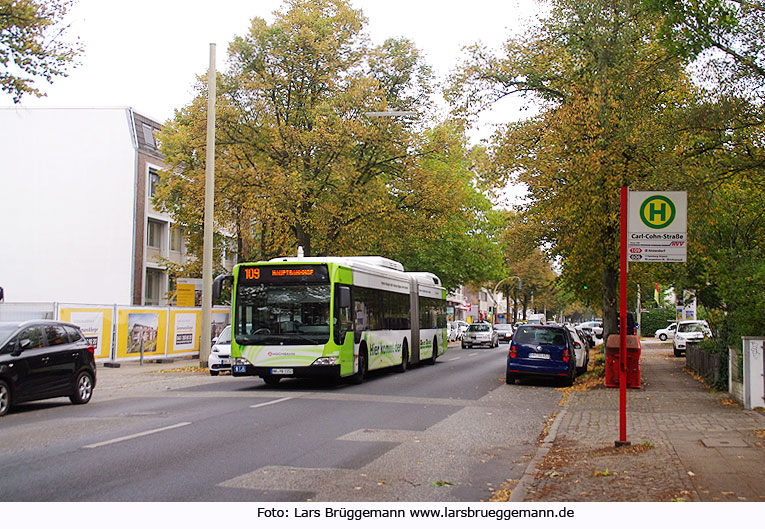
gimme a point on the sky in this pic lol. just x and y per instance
(146, 54)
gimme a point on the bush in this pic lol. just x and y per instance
(650, 322)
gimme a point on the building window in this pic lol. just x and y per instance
(154, 291)
(148, 136)
(154, 234)
(153, 182)
(176, 238)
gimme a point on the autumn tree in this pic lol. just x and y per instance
(604, 86)
(301, 163)
(32, 45)
(724, 161)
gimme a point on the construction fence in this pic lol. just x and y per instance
(128, 333)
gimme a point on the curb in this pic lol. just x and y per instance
(529, 475)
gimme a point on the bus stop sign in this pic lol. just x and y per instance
(657, 226)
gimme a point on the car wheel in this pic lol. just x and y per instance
(663, 337)
(570, 378)
(510, 379)
(83, 389)
(361, 374)
(5, 397)
(463, 345)
(676, 351)
(213, 373)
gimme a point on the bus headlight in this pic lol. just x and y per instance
(240, 361)
(326, 361)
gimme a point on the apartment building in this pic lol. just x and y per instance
(78, 222)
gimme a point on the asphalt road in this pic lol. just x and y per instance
(449, 432)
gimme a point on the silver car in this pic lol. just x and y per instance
(480, 334)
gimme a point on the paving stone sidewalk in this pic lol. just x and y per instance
(688, 443)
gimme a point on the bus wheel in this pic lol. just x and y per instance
(361, 374)
(270, 380)
(432, 360)
(404, 358)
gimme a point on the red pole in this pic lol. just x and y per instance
(623, 323)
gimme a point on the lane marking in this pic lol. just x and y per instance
(271, 402)
(135, 435)
(472, 354)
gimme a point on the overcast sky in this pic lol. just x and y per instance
(146, 53)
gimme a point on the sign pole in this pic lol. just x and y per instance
(623, 322)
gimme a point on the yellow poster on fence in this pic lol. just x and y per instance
(95, 323)
(141, 329)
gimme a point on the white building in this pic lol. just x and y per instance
(78, 225)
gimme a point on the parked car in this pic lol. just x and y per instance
(542, 350)
(667, 333)
(689, 331)
(581, 349)
(220, 354)
(42, 359)
(480, 334)
(595, 327)
(504, 332)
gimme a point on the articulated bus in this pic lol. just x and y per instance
(339, 317)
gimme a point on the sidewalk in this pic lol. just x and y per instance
(687, 443)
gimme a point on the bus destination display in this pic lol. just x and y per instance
(284, 274)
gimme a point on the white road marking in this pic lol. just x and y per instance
(271, 402)
(473, 354)
(135, 435)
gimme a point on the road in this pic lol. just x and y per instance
(448, 432)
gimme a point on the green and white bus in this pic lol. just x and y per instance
(333, 317)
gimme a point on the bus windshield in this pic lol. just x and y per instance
(282, 314)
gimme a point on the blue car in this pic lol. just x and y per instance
(542, 350)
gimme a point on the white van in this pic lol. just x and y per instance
(537, 319)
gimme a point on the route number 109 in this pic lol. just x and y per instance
(252, 273)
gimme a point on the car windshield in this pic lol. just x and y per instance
(540, 336)
(690, 327)
(503, 327)
(225, 336)
(478, 328)
(6, 330)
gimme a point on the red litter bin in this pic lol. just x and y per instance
(613, 361)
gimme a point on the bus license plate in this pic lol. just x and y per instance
(283, 371)
(539, 355)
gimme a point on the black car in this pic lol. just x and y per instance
(44, 359)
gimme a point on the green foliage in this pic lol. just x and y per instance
(31, 45)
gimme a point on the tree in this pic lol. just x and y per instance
(606, 88)
(299, 163)
(32, 45)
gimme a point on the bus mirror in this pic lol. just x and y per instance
(345, 297)
(217, 286)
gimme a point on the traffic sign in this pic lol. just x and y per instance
(657, 225)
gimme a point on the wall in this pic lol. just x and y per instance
(67, 179)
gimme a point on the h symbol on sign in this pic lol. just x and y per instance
(654, 210)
